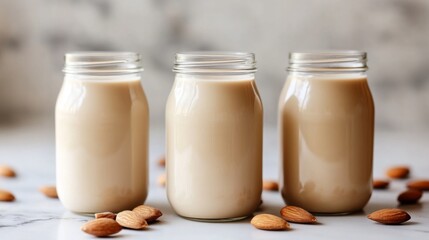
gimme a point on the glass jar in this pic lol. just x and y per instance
(101, 121)
(214, 137)
(326, 122)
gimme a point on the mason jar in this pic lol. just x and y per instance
(214, 137)
(326, 122)
(101, 125)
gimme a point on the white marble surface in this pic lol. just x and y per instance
(29, 148)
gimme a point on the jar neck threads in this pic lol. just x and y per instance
(102, 63)
(328, 62)
(215, 63)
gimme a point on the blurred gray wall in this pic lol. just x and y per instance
(34, 35)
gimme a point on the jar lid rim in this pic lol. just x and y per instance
(214, 61)
(335, 60)
(93, 62)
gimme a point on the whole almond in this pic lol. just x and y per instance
(6, 196)
(422, 185)
(410, 196)
(49, 191)
(162, 180)
(390, 216)
(380, 184)
(7, 171)
(297, 215)
(130, 219)
(270, 185)
(150, 214)
(269, 222)
(101, 227)
(398, 172)
(161, 161)
(105, 215)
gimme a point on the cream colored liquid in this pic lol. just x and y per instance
(214, 147)
(101, 145)
(327, 127)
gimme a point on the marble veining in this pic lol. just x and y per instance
(18, 220)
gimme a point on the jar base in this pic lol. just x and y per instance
(337, 213)
(214, 220)
(86, 214)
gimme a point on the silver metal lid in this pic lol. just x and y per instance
(329, 61)
(102, 63)
(215, 62)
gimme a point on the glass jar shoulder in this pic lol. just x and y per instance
(80, 93)
(202, 86)
(193, 92)
(303, 87)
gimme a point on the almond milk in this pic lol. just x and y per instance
(326, 130)
(101, 143)
(214, 146)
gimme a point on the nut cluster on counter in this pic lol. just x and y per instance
(107, 223)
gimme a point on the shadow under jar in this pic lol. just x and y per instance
(214, 137)
(326, 122)
(101, 122)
